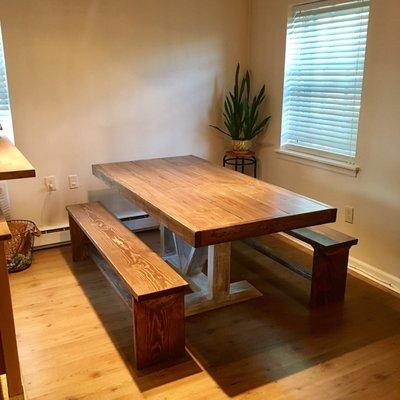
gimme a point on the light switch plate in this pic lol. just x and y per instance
(73, 181)
(349, 214)
(50, 183)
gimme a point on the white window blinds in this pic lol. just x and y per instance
(325, 53)
(4, 101)
(5, 110)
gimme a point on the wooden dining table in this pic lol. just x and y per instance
(201, 209)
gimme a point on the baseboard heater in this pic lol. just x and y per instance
(54, 230)
(60, 235)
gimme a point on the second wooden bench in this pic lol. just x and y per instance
(156, 290)
(330, 259)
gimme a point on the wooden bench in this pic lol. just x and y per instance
(155, 289)
(330, 260)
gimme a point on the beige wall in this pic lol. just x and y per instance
(375, 192)
(105, 80)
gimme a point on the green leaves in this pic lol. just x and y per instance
(241, 114)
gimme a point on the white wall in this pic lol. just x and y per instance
(104, 80)
(375, 192)
(94, 81)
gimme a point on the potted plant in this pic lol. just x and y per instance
(242, 113)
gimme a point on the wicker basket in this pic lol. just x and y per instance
(19, 247)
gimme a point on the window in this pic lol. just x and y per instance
(5, 111)
(324, 68)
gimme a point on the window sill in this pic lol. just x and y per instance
(340, 167)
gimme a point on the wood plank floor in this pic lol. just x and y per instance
(75, 341)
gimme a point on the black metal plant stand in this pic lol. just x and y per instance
(241, 159)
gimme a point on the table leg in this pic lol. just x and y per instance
(211, 290)
(219, 270)
(7, 334)
(167, 242)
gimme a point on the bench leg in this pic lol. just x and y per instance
(158, 328)
(328, 282)
(78, 241)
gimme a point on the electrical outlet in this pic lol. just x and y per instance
(73, 181)
(50, 183)
(349, 214)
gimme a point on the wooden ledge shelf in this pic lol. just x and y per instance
(13, 164)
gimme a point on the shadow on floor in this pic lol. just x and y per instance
(253, 343)
(123, 336)
(257, 342)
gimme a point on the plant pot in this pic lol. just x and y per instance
(241, 145)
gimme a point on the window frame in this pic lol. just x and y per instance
(312, 156)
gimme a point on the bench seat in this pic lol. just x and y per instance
(157, 290)
(144, 272)
(330, 260)
(324, 237)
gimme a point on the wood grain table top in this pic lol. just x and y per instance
(13, 164)
(206, 204)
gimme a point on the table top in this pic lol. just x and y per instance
(206, 204)
(13, 164)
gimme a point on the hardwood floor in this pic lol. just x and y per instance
(75, 339)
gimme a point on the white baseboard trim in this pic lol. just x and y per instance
(368, 271)
(374, 274)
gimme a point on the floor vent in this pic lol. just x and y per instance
(66, 228)
(53, 230)
(60, 235)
